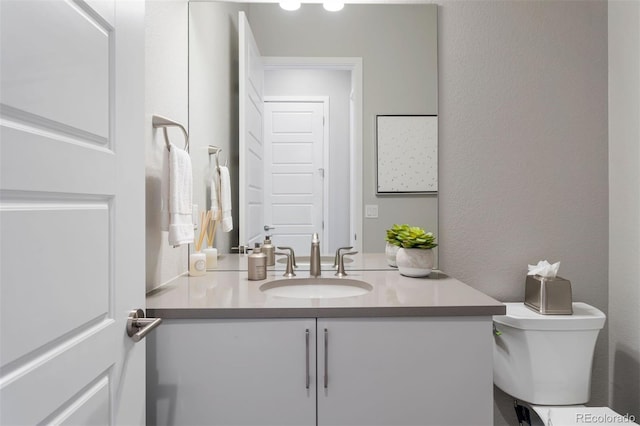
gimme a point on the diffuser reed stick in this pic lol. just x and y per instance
(213, 226)
(204, 222)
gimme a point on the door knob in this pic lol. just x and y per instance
(138, 326)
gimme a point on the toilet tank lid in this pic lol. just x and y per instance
(585, 317)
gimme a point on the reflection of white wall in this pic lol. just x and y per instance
(213, 99)
(336, 85)
(166, 94)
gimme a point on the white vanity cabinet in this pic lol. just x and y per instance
(231, 372)
(405, 371)
(369, 371)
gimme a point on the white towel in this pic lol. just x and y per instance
(225, 199)
(164, 191)
(214, 200)
(180, 197)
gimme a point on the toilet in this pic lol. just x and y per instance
(544, 362)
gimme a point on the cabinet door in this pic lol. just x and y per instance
(231, 372)
(405, 371)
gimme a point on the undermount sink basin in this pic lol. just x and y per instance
(316, 288)
(304, 260)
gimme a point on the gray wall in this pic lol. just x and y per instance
(523, 151)
(399, 51)
(337, 86)
(624, 206)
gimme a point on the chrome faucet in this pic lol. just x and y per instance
(314, 258)
(341, 272)
(289, 272)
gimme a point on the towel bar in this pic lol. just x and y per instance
(159, 121)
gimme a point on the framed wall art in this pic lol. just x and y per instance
(407, 154)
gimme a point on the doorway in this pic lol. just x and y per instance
(339, 80)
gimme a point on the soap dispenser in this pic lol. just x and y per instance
(269, 250)
(257, 264)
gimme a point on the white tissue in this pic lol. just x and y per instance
(544, 269)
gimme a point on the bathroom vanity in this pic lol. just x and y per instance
(408, 352)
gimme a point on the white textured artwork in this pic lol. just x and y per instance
(407, 150)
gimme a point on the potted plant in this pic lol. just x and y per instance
(393, 244)
(414, 257)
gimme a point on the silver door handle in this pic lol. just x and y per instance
(307, 379)
(138, 326)
(326, 358)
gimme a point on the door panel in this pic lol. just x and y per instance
(251, 76)
(404, 371)
(239, 372)
(71, 211)
(77, 225)
(68, 48)
(294, 172)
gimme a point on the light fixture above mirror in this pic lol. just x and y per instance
(330, 5)
(290, 5)
(333, 5)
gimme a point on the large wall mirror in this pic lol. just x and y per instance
(323, 77)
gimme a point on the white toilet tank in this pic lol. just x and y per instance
(546, 359)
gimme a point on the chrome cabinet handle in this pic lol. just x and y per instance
(138, 326)
(307, 379)
(326, 358)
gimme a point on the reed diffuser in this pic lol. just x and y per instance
(211, 252)
(198, 260)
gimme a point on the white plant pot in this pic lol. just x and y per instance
(415, 262)
(390, 252)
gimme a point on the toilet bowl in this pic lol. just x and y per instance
(545, 361)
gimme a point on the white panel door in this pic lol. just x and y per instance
(71, 212)
(295, 173)
(251, 77)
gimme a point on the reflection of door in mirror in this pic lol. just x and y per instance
(313, 187)
(332, 82)
(294, 169)
(251, 77)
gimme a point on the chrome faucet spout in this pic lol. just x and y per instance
(314, 258)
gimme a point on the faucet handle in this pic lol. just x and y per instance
(341, 272)
(289, 272)
(293, 255)
(337, 258)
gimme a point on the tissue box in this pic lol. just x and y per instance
(548, 296)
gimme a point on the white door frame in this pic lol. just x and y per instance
(325, 153)
(354, 65)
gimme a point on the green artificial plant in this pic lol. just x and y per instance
(406, 236)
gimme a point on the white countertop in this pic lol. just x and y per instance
(227, 293)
